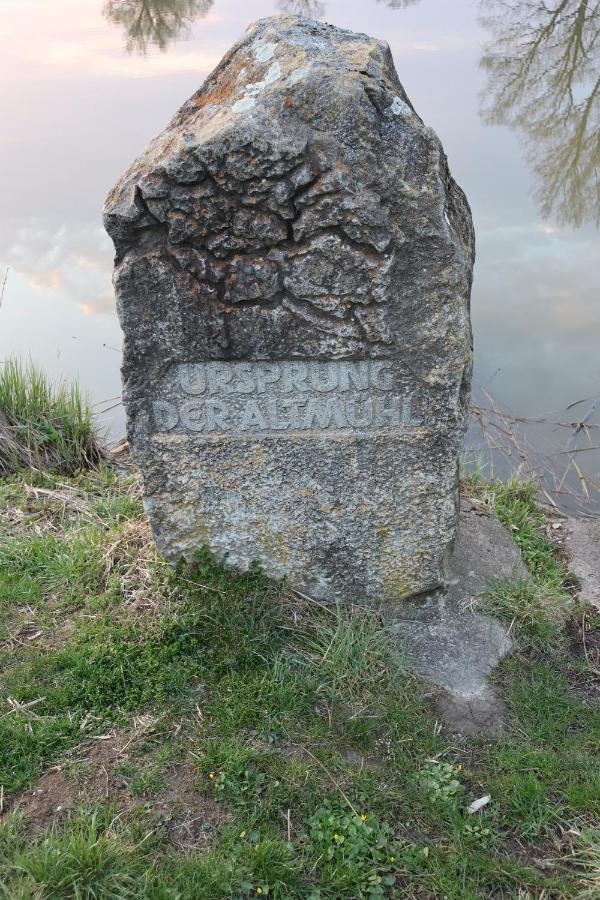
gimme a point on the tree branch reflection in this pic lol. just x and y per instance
(543, 68)
(159, 22)
(315, 9)
(398, 4)
(155, 22)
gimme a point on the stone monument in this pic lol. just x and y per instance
(293, 271)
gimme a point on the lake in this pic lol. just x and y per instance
(511, 86)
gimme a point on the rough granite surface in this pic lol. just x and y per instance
(293, 271)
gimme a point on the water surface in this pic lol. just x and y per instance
(511, 86)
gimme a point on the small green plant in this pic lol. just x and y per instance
(240, 788)
(143, 782)
(440, 781)
(43, 426)
(476, 832)
(362, 846)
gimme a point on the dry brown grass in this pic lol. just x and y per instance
(133, 556)
(557, 451)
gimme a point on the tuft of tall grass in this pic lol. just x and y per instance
(90, 857)
(587, 859)
(44, 426)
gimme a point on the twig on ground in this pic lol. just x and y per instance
(329, 775)
(515, 448)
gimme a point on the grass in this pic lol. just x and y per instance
(536, 608)
(200, 734)
(43, 426)
(92, 857)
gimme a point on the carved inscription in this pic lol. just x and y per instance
(249, 397)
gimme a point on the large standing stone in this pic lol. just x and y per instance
(293, 273)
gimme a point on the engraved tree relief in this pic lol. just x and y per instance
(543, 68)
(277, 233)
(155, 22)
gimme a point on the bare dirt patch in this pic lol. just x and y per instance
(60, 789)
(191, 818)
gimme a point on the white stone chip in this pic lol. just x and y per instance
(399, 107)
(476, 805)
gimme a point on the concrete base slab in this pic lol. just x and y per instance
(482, 714)
(447, 641)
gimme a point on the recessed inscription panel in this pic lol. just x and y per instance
(244, 398)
